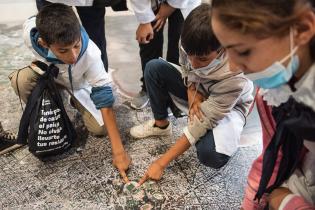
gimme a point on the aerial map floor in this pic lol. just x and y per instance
(84, 177)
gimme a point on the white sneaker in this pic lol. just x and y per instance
(147, 129)
(140, 101)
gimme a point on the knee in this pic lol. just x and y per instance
(211, 159)
(97, 130)
(154, 68)
(89, 121)
(23, 81)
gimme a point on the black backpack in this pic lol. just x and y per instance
(45, 125)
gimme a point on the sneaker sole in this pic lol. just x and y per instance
(9, 149)
(149, 136)
(142, 137)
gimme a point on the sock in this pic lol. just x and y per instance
(164, 127)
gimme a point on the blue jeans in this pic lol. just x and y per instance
(161, 79)
(154, 49)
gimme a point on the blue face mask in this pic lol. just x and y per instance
(50, 54)
(277, 74)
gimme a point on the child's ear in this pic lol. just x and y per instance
(42, 43)
(305, 28)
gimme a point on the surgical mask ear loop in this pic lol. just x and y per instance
(291, 43)
(292, 48)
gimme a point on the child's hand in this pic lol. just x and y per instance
(122, 161)
(144, 33)
(155, 172)
(195, 99)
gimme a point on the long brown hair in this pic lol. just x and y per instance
(262, 18)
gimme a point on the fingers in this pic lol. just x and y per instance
(145, 40)
(141, 39)
(196, 111)
(124, 176)
(150, 37)
(160, 26)
(143, 179)
(159, 23)
(162, 22)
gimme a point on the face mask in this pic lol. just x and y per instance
(277, 74)
(213, 65)
(50, 54)
(210, 67)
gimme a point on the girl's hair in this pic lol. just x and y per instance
(262, 18)
(197, 37)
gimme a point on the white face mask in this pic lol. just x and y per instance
(277, 74)
(212, 66)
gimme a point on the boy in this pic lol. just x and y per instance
(216, 99)
(55, 36)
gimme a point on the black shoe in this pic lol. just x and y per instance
(176, 111)
(7, 141)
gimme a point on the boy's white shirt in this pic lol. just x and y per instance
(74, 2)
(144, 13)
(88, 72)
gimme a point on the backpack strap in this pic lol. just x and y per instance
(30, 105)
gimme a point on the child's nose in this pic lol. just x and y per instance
(73, 57)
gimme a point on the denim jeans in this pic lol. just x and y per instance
(163, 79)
(154, 49)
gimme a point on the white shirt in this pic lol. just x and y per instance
(74, 2)
(144, 13)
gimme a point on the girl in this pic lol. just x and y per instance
(273, 43)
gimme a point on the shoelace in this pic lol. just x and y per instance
(6, 135)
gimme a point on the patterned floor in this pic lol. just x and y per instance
(86, 179)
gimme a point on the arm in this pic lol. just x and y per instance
(155, 170)
(145, 15)
(223, 98)
(181, 145)
(121, 159)
(103, 100)
(143, 10)
(164, 12)
(195, 99)
(102, 97)
(283, 199)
